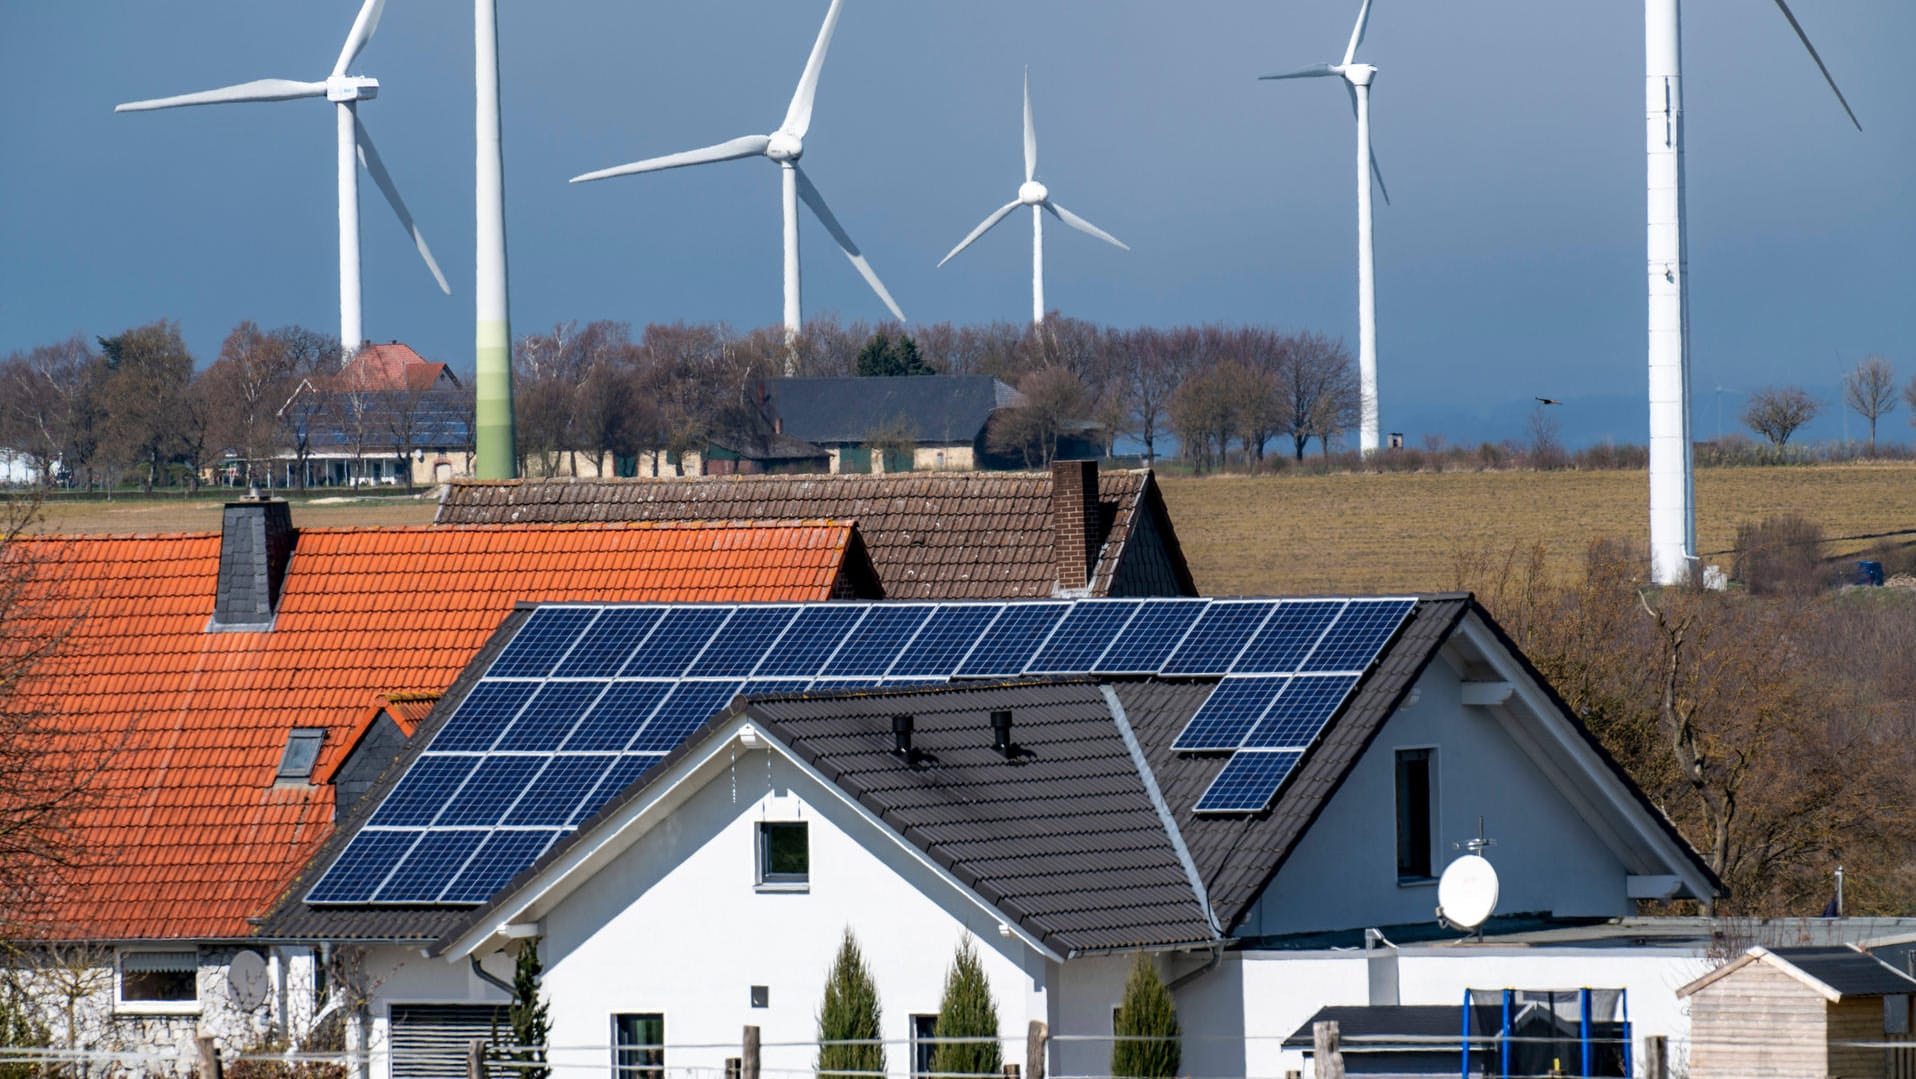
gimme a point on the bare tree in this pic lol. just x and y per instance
(1321, 383)
(44, 408)
(142, 388)
(1870, 392)
(1152, 363)
(1776, 412)
(1053, 399)
(1204, 413)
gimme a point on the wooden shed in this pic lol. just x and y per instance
(1798, 1013)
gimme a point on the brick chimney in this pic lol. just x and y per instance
(256, 543)
(1074, 522)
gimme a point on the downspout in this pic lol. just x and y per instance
(483, 975)
(1182, 980)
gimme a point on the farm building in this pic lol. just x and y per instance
(388, 417)
(1787, 1012)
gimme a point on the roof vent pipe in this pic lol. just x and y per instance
(901, 736)
(1001, 734)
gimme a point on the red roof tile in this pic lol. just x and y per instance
(189, 837)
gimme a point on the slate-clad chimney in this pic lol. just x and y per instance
(256, 542)
(1074, 521)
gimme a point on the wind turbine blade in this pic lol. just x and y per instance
(1357, 32)
(1820, 66)
(1376, 173)
(817, 202)
(1313, 72)
(1082, 225)
(361, 33)
(369, 157)
(257, 90)
(798, 115)
(1031, 137)
(743, 146)
(996, 216)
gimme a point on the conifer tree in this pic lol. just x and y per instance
(849, 1012)
(967, 1011)
(1147, 1045)
(528, 1014)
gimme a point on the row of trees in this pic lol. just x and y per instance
(1869, 390)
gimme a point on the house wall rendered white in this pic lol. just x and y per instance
(1343, 873)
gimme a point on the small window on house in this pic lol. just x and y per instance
(923, 1029)
(302, 752)
(784, 854)
(159, 980)
(638, 1045)
(1415, 811)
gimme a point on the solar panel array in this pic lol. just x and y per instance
(584, 699)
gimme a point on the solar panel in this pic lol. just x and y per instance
(742, 643)
(1248, 781)
(497, 861)
(541, 641)
(1307, 703)
(814, 636)
(482, 715)
(435, 859)
(1231, 710)
(1144, 644)
(1358, 635)
(550, 716)
(551, 798)
(1082, 637)
(617, 715)
(774, 686)
(680, 636)
(683, 710)
(490, 790)
(1288, 637)
(1013, 639)
(620, 776)
(1218, 636)
(603, 649)
(875, 644)
(944, 640)
(358, 871)
(424, 789)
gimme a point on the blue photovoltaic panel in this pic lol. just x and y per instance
(1013, 639)
(1218, 637)
(617, 716)
(1288, 637)
(356, 874)
(482, 715)
(877, 641)
(679, 637)
(620, 776)
(814, 636)
(690, 704)
(944, 640)
(498, 860)
(536, 648)
(1143, 645)
(774, 686)
(494, 786)
(1248, 781)
(554, 796)
(1232, 709)
(426, 786)
(550, 716)
(1355, 639)
(743, 642)
(837, 685)
(1082, 637)
(432, 862)
(611, 641)
(1301, 711)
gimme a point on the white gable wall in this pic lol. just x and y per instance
(1343, 873)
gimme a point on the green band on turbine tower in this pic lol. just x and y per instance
(493, 389)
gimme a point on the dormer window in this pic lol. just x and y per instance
(302, 752)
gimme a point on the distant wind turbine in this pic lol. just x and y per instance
(1035, 195)
(355, 148)
(494, 443)
(1672, 483)
(784, 146)
(1357, 78)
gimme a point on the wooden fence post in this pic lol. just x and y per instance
(1011, 1071)
(1328, 1049)
(748, 1056)
(1035, 1038)
(476, 1059)
(210, 1067)
(1656, 1057)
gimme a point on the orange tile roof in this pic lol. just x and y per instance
(389, 367)
(189, 836)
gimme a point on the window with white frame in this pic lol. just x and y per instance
(784, 854)
(923, 1029)
(638, 1045)
(159, 981)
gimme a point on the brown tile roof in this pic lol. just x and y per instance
(390, 367)
(931, 535)
(190, 836)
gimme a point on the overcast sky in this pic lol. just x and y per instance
(1510, 263)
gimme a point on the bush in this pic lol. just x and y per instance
(1149, 1015)
(967, 1011)
(1780, 556)
(528, 1015)
(849, 1012)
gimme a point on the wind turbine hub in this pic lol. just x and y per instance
(1359, 74)
(785, 147)
(1032, 193)
(351, 88)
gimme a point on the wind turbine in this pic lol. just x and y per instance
(495, 454)
(1672, 484)
(1357, 79)
(784, 146)
(355, 148)
(1035, 195)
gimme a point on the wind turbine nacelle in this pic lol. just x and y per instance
(785, 146)
(1359, 74)
(1032, 193)
(351, 88)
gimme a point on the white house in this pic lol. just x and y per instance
(1059, 825)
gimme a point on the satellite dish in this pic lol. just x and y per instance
(1467, 892)
(247, 979)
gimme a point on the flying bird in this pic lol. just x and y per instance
(1550, 400)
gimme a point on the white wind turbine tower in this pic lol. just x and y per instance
(1672, 484)
(1035, 195)
(784, 146)
(355, 148)
(1357, 78)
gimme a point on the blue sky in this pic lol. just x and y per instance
(1511, 133)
